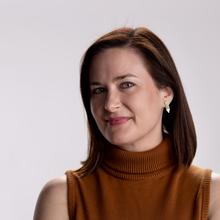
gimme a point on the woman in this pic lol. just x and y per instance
(142, 140)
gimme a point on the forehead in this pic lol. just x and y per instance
(117, 61)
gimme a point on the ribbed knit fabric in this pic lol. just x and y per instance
(140, 186)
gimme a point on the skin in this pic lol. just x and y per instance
(121, 97)
(52, 201)
(120, 82)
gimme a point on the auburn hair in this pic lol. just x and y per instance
(178, 123)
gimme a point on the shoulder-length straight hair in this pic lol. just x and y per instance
(178, 123)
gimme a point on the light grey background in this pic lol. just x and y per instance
(42, 124)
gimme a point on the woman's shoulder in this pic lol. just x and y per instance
(52, 201)
(55, 189)
(209, 183)
(57, 185)
(214, 205)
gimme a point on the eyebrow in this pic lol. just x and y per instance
(115, 79)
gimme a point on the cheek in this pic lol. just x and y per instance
(96, 108)
(146, 104)
(93, 109)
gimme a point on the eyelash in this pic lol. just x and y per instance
(94, 91)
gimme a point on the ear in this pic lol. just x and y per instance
(167, 95)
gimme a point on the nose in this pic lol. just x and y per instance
(112, 102)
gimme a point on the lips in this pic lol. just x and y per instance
(118, 120)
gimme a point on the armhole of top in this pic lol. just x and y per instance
(70, 193)
(205, 187)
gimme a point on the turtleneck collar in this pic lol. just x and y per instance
(138, 165)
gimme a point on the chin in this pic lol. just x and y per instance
(118, 141)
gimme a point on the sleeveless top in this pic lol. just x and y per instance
(140, 186)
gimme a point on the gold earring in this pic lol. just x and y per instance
(167, 107)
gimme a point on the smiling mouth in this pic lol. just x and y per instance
(118, 120)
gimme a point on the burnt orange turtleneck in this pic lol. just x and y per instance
(140, 186)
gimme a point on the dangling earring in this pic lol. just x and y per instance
(167, 107)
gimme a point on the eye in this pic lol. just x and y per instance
(126, 85)
(98, 90)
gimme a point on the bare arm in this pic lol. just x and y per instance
(214, 207)
(52, 201)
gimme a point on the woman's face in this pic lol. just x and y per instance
(125, 102)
